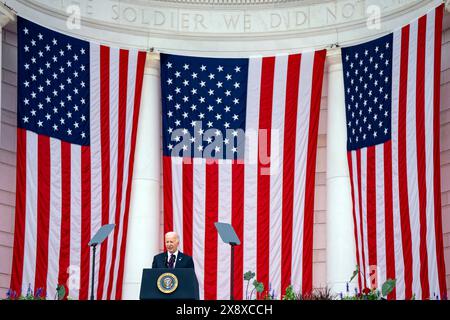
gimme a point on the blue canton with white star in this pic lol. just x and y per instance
(368, 90)
(53, 83)
(203, 106)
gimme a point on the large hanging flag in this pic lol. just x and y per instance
(392, 94)
(239, 146)
(78, 105)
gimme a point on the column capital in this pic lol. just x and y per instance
(6, 15)
(334, 60)
(152, 63)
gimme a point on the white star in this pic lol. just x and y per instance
(185, 66)
(33, 112)
(82, 67)
(47, 48)
(26, 101)
(186, 83)
(210, 108)
(82, 51)
(83, 118)
(203, 68)
(209, 124)
(220, 68)
(194, 75)
(217, 149)
(169, 81)
(219, 100)
(211, 76)
(228, 77)
(55, 127)
(69, 115)
(218, 116)
(194, 107)
(40, 54)
(193, 123)
(200, 148)
(47, 116)
(33, 59)
(40, 123)
(61, 52)
(177, 74)
(177, 122)
(75, 124)
(170, 97)
(26, 84)
(211, 92)
(185, 99)
(236, 101)
(26, 48)
(169, 65)
(25, 30)
(177, 106)
(185, 115)
(235, 117)
(236, 85)
(83, 135)
(202, 83)
(227, 109)
(201, 115)
(69, 132)
(228, 93)
(219, 84)
(201, 99)
(62, 121)
(177, 90)
(54, 41)
(33, 42)
(75, 57)
(237, 69)
(194, 91)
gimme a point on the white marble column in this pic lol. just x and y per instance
(6, 15)
(144, 221)
(341, 260)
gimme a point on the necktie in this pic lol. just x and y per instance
(171, 261)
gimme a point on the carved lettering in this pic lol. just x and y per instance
(348, 10)
(275, 20)
(300, 18)
(130, 14)
(116, 14)
(185, 21)
(231, 22)
(160, 18)
(198, 18)
(247, 22)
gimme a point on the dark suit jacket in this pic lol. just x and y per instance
(183, 261)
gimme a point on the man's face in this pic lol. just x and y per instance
(171, 243)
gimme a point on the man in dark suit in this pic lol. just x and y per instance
(172, 258)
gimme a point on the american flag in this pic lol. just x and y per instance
(392, 94)
(239, 146)
(78, 105)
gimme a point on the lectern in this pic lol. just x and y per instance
(162, 284)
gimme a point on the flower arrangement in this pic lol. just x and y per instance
(37, 295)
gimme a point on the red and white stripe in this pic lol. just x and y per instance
(396, 186)
(269, 198)
(66, 192)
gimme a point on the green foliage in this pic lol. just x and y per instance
(387, 287)
(290, 293)
(257, 286)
